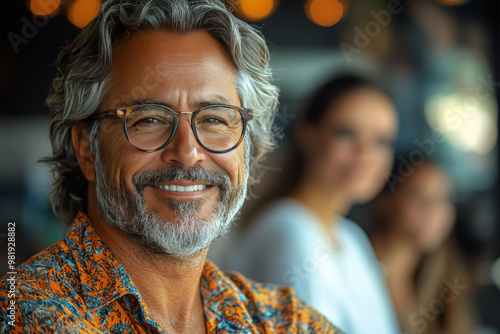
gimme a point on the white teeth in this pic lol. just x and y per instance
(196, 187)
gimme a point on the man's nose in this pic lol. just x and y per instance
(184, 149)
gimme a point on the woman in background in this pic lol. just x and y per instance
(343, 146)
(413, 218)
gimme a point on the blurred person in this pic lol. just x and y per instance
(343, 145)
(412, 221)
(153, 143)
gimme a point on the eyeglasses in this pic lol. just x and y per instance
(151, 127)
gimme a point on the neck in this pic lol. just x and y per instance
(169, 287)
(327, 203)
(400, 256)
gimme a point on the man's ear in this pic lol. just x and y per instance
(81, 145)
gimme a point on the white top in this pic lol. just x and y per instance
(286, 245)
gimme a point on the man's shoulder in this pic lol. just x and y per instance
(47, 268)
(46, 279)
(279, 305)
(41, 290)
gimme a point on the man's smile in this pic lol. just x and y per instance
(182, 188)
(179, 188)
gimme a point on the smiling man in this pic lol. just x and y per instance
(160, 110)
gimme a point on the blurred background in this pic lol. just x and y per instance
(436, 57)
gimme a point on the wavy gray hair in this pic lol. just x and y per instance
(84, 66)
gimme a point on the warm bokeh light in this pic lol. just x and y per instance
(81, 12)
(254, 10)
(468, 122)
(325, 13)
(44, 7)
(452, 2)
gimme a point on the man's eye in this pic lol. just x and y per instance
(148, 120)
(212, 121)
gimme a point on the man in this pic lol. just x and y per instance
(160, 109)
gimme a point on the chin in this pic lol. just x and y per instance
(362, 197)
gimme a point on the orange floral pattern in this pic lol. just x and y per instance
(78, 286)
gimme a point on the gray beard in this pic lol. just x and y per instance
(186, 234)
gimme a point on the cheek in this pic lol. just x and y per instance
(239, 165)
(336, 153)
(382, 159)
(326, 163)
(381, 164)
(233, 163)
(114, 149)
(436, 231)
(410, 214)
(340, 148)
(115, 169)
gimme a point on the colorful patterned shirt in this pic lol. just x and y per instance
(78, 286)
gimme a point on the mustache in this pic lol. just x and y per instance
(173, 173)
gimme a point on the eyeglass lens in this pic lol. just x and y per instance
(217, 128)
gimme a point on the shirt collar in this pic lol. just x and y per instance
(225, 303)
(103, 279)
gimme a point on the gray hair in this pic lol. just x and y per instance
(84, 67)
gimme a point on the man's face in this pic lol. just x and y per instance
(183, 72)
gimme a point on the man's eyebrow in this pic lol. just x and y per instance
(214, 100)
(148, 101)
(218, 99)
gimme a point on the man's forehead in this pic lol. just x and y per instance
(166, 65)
(173, 51)
(188, 62)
